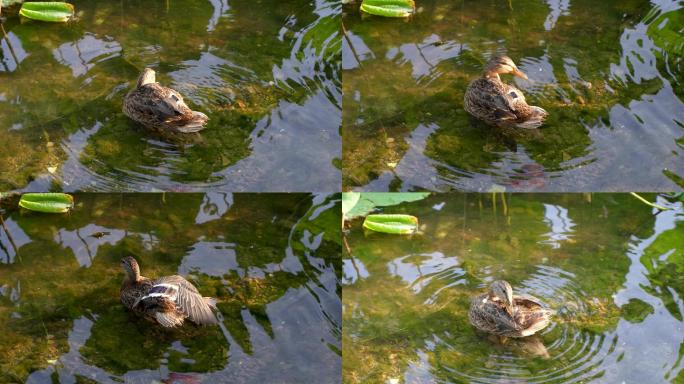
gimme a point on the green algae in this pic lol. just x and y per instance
(69, 80)
(404, 86)
(68, 276)
(406, 300)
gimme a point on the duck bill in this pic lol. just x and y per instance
(519, 73)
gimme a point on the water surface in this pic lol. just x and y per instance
(610, 74)
(272, 262)
(266, 73)
(611, 268)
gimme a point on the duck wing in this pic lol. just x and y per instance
(164, 104)
(515, 98)
(489, 98)
(492, 317)
(527, 301)
(529, 116)
(187, 299)
(530, 314)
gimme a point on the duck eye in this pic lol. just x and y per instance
(514, 95)
(174, 97)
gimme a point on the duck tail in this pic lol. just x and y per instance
(535, 120)
(195, 124)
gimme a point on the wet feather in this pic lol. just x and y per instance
(168, 300)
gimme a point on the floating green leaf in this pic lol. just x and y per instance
(392, 224)
(52, 11)
(368, 201)
(47, 202)
(349, 200)
(389, 8)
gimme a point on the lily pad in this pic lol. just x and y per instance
(389, 8)
(47, 202)
(349, 200)
(52, 11)
(392, 224)
(369, 201)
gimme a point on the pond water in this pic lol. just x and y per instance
(266, 72)
(271, 261)
(610, 74)
(611, 268)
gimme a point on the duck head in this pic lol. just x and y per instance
(502, 65)
(146, 77)
(503, 291)
(130, 266)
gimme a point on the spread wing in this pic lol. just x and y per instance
(188, 299)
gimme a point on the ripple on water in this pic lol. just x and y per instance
(606, 79)
(278, 300)
(419, 270)
(569, 353)
(267, 83)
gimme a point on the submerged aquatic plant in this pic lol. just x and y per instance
(389, 8)
(52, 11)
(47, 202)
(393, 224)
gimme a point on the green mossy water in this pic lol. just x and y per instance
(609, 74)
(608, 266)
(266, 73)
(271, 261)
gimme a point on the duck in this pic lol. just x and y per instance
(498, 104)
(500, 313)
(168, 300)
(161, 108)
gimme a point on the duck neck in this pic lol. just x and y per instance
(133, 274)
(147, 77)
(492, 75)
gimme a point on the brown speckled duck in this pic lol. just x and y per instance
(500, 313)
(496, 103)
(168, 300)
(161, 108)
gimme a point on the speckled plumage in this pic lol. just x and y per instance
(491, 313)
(161, 108)
(497, 103)
(168, 300)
